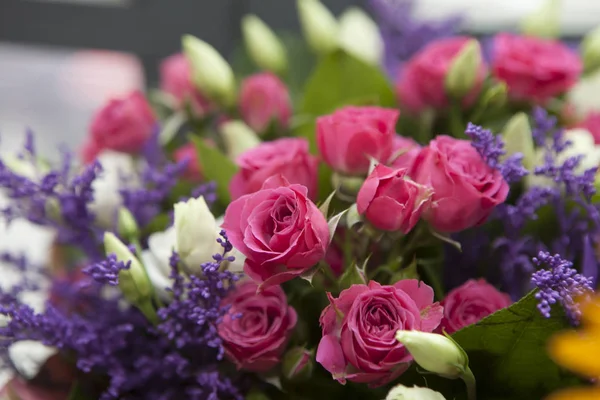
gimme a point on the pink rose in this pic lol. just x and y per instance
(123, 125)
(465, 188)
(176, 80)
(18, 388)
(592, 124)
(359, 329)
(279, 230)
(257, 327)
(422, 81)
(288, 157)
(263, 99)
(391, 201)
(404, 152)
(471, 302)
(348, 137)
(193, 171)
(534, 69)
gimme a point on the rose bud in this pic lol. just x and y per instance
(298, 364)
(264, 99)
(359, 330)
(279, 230)
(288, 157)
(401, 392)
(404, 152)
(423, 79)
(465, 189)
(349, 137)
(391, 201)
(193, 170)
(176, 80)
(471, 302)
(534, 69)
(257, 327)
(123, 125)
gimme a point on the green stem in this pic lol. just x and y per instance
(456, 124)
(434, 280)
(138, 250)
(469, 380)
(149, 312)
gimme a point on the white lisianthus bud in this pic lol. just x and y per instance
(238, 138)
(263, 46)
(156, 260)
(544, 22)
(127, 225)
(463, 73)
(590, 51)
(434, 352)
(210, 72)
(319, 26)
(28, 356)
(118, 170)
(401, 392)
(359, 36)
(518, 139)
(195, 234)
(25, 168)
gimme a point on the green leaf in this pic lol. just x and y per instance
(508, 355)
(76, 393)
(216, 167)
(340, 78)
(307, 129)
(353, 275)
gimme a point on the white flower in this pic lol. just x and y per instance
(584, 95)
(196, 234)
(156, 260)
(401, 392)
(118, 171)
(28, 356)
(359, 36)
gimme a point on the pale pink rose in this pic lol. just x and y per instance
(124, 125)
(422, 81)
(257, 328)
(193, 170)
(465, 189)
(359, 330)
(471, 302)
(592, 124)
(264, 99)
(176, 80)
(391, 201)
(404, 152)
(287, 156)
(348, 137)
(534, 69)
(279, 230)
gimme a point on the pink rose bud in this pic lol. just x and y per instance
(359, 329)
(391, 201)
(256, 329)
(279, 230)
(422, 83)
(404, 152)
(465, 189)
(123, 125)
(265, 99)
(592, 124)
(297, 364)
(348, 137)
(471, 302)
(193, 171)
(176, 80)
(534, 69)
(288, 157)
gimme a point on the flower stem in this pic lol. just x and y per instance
(469, 380)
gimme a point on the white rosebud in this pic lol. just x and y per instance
(359, 36)
(156, 260)
(195, 234)
(118, 171)
(464, 70)
(319, 26)
(544, 22)
(28, 356)
(401, 392)
(434, 352)
(210, 72)
(238, 138)
(518, 139)
(263, 46)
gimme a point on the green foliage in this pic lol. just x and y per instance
(216, 167)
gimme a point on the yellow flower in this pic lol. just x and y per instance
(579, 351)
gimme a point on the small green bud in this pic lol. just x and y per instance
(464, 70)
(495, 97)
(359, 36)
(238, 138)
(128, 227)
(346, 187)
(518, 139)
(319, 26)
(590, 51)
(298, 364)
(353, 275)
(263, 46)
(545, 22)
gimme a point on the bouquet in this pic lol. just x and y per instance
(376, 210)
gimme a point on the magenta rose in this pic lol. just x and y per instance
(279, 230)
(176, 80)
(404, 152)
(359, 329)
(264, 99)
(592, 124)
(391, 201)
(465, 188)
(288, 157)
(193, 169)
(534, 69)
(471, 302)
(422, 81)
(256, 329)
(348, 137)
(124, 125)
